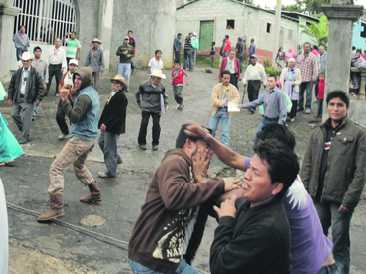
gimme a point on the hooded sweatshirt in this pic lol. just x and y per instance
(166, 227)
(85, 112)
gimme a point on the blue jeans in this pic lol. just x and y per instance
(340, 223)
(305, 87)
(125, 70)
(183, 268)
(221, 116)
(188, 60)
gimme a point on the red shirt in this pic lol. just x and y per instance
(177, 77)
(321, 88)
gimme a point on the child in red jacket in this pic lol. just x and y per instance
(178, 82)
(320, 94)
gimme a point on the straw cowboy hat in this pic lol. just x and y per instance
(26, 56)
(96, 40)
(158, 73)
(119, 78)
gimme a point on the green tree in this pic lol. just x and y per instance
(309, 6)
(318, 30)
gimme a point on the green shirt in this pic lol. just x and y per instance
(72, 48)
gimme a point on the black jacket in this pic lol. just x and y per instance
(34, 87)
(256, 241)
(114, 113)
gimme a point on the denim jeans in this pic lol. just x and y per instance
(305, 87)
(221, 116)
(340, 223)
(188, 62)
(108, 145)
(183, 268)
(125, 70)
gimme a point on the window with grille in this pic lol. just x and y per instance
(46, 20)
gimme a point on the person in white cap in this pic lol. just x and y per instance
(112, 124)
(290, 82)
(25, 91)
(95, 60)
(152, 100)
(68, 82)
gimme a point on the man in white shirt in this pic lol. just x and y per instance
(254, 76)
(56, 64)
(156, 63)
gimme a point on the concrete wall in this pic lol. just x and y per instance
(153, 23)
(249, 22)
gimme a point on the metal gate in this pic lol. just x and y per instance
(46, 20)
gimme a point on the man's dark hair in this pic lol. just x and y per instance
(182, 137)
(225, 72)
(130, 31)
(353, 47)
(359, 51)
(226, 36)
(157, 51)
(283, 164)
(179, 34)
(278, 132)
(37, 48)
(338, 94)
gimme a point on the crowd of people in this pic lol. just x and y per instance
(276, 220)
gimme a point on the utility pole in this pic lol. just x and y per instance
(277, 29)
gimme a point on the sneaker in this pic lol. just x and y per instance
(104, 175)
(155, 148)
(292, 120)
(307, 111)
(142, 147)
(180, 107)
(64, 136)
(24, 141)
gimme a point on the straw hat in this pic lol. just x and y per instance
(158, 73)
(96, 40)
(119, 78)
(26, 56)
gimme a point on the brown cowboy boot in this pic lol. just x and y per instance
(93, 197)
(54, 212)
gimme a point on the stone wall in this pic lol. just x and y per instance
(153, 24)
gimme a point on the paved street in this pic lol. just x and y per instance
(102, 248)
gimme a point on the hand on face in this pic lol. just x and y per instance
(200, 163)
(227, 208)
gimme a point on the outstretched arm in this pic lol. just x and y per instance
(225, 154)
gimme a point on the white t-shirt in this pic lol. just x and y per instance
(155, 64)
(3, 232)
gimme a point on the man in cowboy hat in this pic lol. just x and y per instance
(112, 123)
(152, 100)
(95, 60)
(25, 91)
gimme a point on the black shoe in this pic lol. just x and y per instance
(142, 147)
(155, 147)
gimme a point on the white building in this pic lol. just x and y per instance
(213, 19)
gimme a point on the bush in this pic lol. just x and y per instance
(272, 71)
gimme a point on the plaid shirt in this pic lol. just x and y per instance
(308, 66)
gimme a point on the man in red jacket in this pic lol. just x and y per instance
(231, 64)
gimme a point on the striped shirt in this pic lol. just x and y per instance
(308, 66)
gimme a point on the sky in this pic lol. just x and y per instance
(272, 3)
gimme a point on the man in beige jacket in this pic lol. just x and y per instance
(223, 95)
